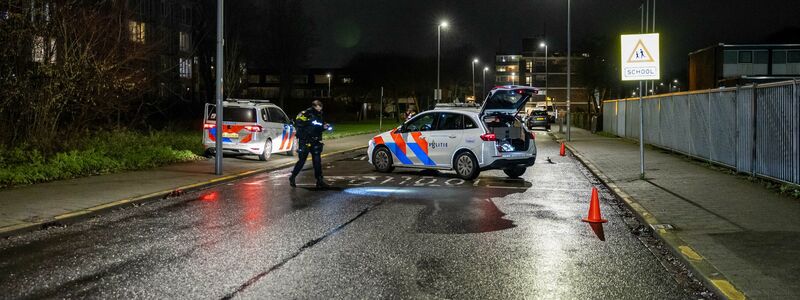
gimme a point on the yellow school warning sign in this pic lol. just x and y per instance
(640, 57)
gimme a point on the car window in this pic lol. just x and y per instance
(469, 123)
(234, 114)
(264, 115)
(421, 123)
(277, 116)
(450, 121)
(539, 113)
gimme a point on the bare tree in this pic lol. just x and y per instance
(84, 67)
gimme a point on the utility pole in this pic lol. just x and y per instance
(219, 87)
(569, 69)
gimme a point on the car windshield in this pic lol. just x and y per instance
(235, 114)
(539, 113)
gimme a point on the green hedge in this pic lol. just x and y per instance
(99, 153)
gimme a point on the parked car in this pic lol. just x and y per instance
(250, 127)
(463, 138)
(538, 118)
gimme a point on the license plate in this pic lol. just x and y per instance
(230, 135)
(539, 119)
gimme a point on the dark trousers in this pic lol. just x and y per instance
(315, 149)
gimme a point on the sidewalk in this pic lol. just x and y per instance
(740, 237)
(29, 207)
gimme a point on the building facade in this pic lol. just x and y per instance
(730, 65)
(546, 70)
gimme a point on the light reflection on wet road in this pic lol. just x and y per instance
(407, 234)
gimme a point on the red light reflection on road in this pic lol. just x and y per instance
(212, 196)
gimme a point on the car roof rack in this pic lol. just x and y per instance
(456, 105)
(247, 100)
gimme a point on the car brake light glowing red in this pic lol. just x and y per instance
(209, 126)
(488, 137)
(253, 128)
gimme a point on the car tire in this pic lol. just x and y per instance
(208, 153)
(466, 166)
(264, 156)
(515, 172)
(547, 127)
(382, 160)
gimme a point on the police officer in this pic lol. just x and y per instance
(310, 125)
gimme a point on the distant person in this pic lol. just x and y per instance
(310, 125)
(410, 113)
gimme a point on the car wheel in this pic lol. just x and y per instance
(208, 153)
(466, 166)
(382, 160)
(515, 172)
(264, 156)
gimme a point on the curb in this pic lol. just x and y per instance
(707, 272)
(77, 215)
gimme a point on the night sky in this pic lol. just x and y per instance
(347, 27)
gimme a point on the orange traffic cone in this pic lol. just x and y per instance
(563, 151)
(594, 209)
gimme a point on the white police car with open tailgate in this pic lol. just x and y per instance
(466, 139)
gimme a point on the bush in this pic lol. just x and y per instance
(99, 153)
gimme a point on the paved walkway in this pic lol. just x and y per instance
(27, 207)
(751, 235)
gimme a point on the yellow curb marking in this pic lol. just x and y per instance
(728, 289)
(71, 214)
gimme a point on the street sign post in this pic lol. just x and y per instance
(640, 61)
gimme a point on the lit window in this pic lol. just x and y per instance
(184, 41)
(137, 31)
(185, 66)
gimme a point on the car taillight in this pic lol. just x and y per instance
(488, 137)
(253, 128)
(533, 135)
(209, 126)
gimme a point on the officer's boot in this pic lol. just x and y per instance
(321, 183)
(291, 180)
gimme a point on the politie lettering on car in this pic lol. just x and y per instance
(465, 138)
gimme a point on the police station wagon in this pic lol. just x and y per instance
(465, 139)
(254, 127)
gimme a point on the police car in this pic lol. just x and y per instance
(251, 127)
(466, 139)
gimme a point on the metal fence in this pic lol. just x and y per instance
(753, 129)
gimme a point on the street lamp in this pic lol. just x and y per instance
(329, 84)
(438, 94)
(543, 45)
(485, 69)
(512, 78)
(474, 61)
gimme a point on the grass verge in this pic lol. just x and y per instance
(99, 153)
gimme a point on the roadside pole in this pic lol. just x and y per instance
(380, 120)
(641, 133)
(220, 109)
(640, 57)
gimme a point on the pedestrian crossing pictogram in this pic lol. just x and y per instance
(640, 54)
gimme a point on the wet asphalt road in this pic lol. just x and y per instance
(409, 234)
